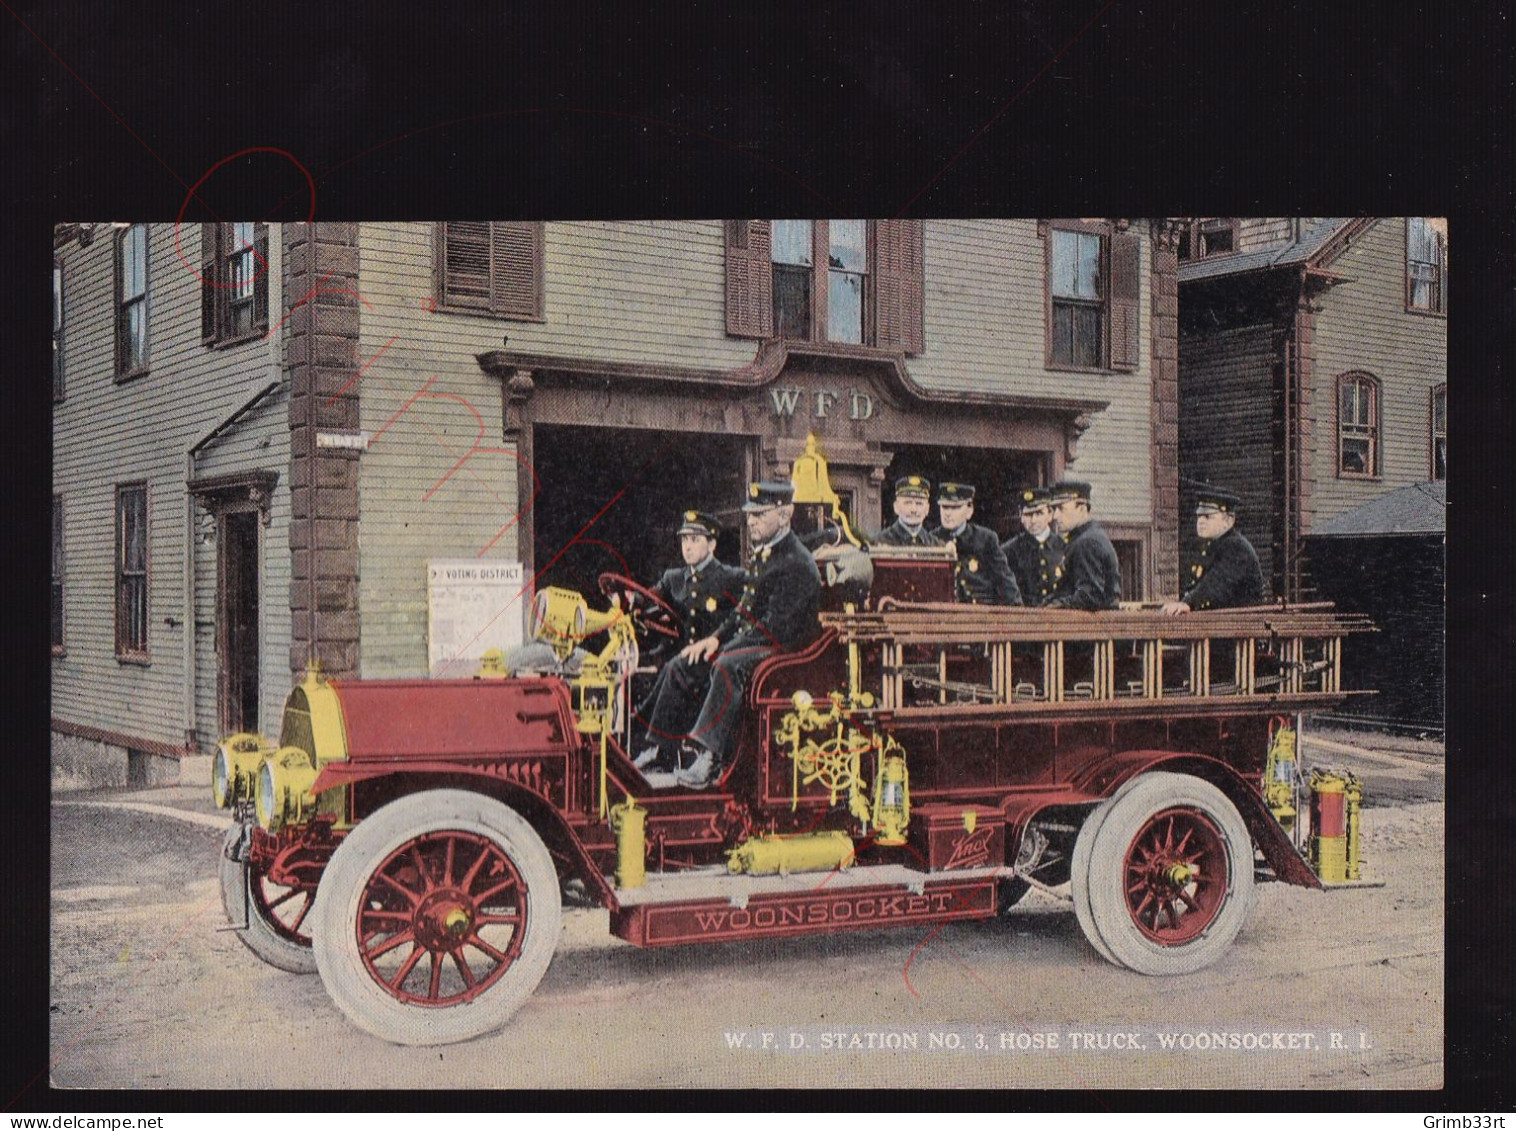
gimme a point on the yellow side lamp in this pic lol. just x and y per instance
(1280, 775)
(892, 797)
(492, 665)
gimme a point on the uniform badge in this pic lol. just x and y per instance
(710, 604)
(973, 565)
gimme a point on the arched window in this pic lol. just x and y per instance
(1357, 426)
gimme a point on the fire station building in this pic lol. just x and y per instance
(264, 434)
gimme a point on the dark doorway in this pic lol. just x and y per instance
(994, 475)
(237, 620)
(611, 500)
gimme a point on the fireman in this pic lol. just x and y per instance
(1091, 573)
(704, 591)
(913, 502)
(1227, 575)
(982, 575)
(1036, 553)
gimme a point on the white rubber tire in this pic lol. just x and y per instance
(259, 935)
(1079, 878)
(348, 980)
(1101, 898)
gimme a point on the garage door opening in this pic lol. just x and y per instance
(611, 499)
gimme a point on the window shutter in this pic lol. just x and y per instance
(898, 273)
(208, 290)
(749, 280)
(516, 268)
(466, 264)
(260, 275)
(1126, 294)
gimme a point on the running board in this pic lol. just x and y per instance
(712, 905)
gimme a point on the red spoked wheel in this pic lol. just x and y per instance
(272, 918)
(443, 918)
(437, 917)
(1176, 872)
(1163, 874)
(651, 611)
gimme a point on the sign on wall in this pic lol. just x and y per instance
(472, 606)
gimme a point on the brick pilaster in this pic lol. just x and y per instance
(1165, 407)
(321, 348)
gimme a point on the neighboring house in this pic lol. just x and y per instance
(277, 455)
(1404, 660)
(171, 458)
(1313, 371)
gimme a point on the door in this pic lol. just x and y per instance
(237, 616)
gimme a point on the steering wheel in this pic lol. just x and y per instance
(656, 616)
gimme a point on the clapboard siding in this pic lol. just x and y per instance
(1363, 325)
(1225, 429)
(106, 433)
(985, 330)
(1257, 232)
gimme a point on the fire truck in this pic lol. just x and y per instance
(922, 761)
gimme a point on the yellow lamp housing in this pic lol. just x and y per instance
(235, 767)
(283, 791)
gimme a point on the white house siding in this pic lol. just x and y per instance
(105, 434)
(985, 329)
(1363, 325)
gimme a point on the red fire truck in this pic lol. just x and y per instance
(922, 761)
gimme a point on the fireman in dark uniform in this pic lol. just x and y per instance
(700, 693)
(1036, 553)
(982, 575)
(1227, 575)
(1091, 574)
(703, 591)
(913, 503)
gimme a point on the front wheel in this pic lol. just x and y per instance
(437, 917)
(271, 920)
(1163, 875)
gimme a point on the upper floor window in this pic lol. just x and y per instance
(131, 570)
(491, 266)
(131, 301)
(57, 331)
(234, 282)
(1440, 432)
(1426, 266)
(856, 282)
(1092, 296)
(1215, 235)
(57, 615)
(1357, 426)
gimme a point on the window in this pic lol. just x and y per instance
(851, 282)
(1440, 432)
(791, 248)
(847, 272)
(57, 617)
(1426, 265)
(1093, 293)
(794, 246)
(57, 331)
(234, 282)
(131, 571)
(1357, 426)
(131, 301)
(491, 266)
(1209, 236)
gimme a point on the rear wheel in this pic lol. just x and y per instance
(273, 921)
(438, 916)
(1163, 875)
